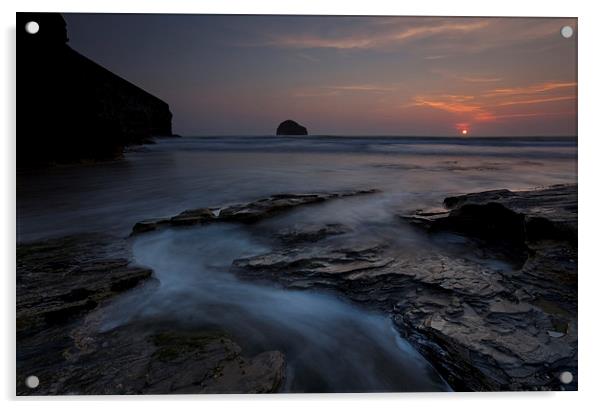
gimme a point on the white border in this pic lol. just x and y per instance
(590, 149)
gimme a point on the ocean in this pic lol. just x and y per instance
(329, 343)
(181, 173)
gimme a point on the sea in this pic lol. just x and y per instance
(330, 344)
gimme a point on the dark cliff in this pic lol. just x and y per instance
(69, 108)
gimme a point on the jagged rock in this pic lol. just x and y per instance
(482, 328)
(290, 127)
(549, 213)
(245, 213)
(263, 208)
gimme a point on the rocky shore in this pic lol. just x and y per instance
(243, 213)
(482, 327)
(63, 285)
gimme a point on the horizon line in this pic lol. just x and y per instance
(467, 137)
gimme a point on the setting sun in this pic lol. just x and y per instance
(464, 131)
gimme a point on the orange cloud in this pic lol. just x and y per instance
(446, 105)
(485, 116)
(466, 78)
(531, 89)
(533, 114)
(485, 107)
(456, 104)
(536, 101)
(458, 98)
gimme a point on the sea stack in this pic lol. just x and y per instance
(290, 127)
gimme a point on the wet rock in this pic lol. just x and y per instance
(148, 225)
(246, 212)
(483, 328)
(190, 217)
(503, 215)
(540, 214)
(59, 279)
(263, 208)
(324, 265)
(527, 332)
(311, 233)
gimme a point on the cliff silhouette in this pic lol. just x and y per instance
(70, 108)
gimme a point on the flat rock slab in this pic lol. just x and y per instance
(246, 212)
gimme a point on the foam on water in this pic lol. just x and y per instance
(330, 345)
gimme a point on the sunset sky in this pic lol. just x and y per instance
(420, 76)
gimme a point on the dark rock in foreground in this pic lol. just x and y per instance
(62, 287)
(502, 215)
(59, 280)
(483, 328)
(290, 127)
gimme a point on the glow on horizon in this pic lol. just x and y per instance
(228, 75)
